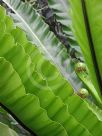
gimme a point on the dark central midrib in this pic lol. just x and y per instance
(91, 44)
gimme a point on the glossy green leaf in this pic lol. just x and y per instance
(61, 110)
(96, 110)
(80, 110)
(14, 97)
(52, 110)
(62, 94)
(87, 27)
(48, 100)
(38, 31)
